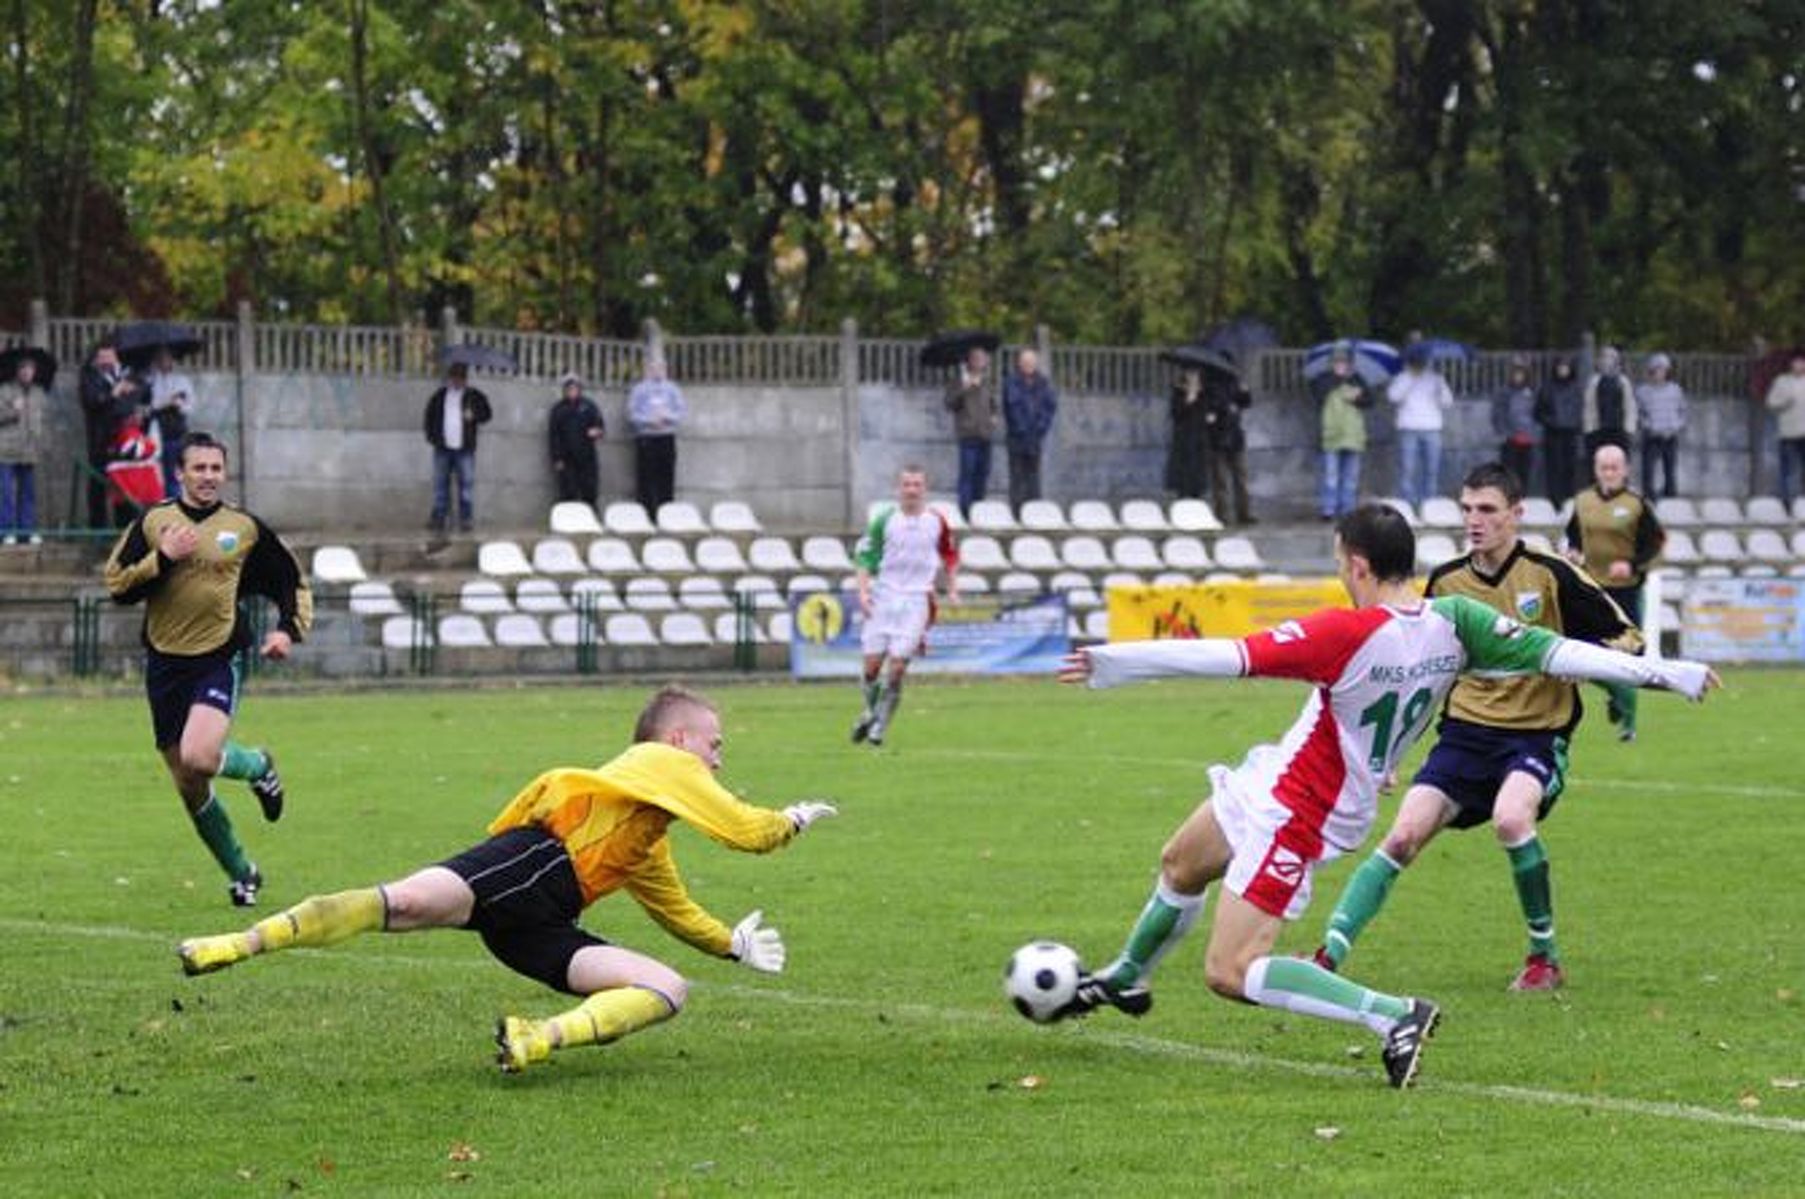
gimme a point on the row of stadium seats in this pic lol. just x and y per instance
(522, 630)
(628, 518)
(1084, 516)
(1677, 512)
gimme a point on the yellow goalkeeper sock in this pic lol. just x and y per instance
(608, 1016)
(322, 920)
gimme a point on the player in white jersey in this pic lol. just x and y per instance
(903, 552)
(1380, 671)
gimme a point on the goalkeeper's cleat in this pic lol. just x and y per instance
(1540, 973)
(862, 729)
(1094, 992)
(267, 787)
(243, 891)
(204, 955)
(519, 1043)
(1404, 1043)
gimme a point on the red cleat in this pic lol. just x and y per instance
(1539, 973)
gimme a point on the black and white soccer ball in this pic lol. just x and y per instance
(1041, 978)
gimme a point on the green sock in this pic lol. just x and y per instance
(1626, 698)
(1304, 987)
(1360, 901)
(872, 687)
(215, 828)
(240, 762)
(1529, 870)
(1162, 924)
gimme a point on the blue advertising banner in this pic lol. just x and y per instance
(984, 634)
(1744, 620)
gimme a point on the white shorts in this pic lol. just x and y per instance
(1276, 851)
(897, 625)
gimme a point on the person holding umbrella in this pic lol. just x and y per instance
(109, 397)
(171, 400)
(21, 440)
(972, 399)
(453, 414)
(1344, 397)
(1188, 453)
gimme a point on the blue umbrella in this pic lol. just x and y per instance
(1441, 349)
(476, 356)
(1374, 361)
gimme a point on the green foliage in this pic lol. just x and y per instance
(1501, 171)
(884, 1061)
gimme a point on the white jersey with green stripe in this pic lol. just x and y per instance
(904, 551)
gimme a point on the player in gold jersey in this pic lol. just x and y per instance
(570, 838)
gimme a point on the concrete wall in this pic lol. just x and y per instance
(344, 452)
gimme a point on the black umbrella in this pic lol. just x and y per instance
(139, 341)
(951, 347)
(1241, 337)
(477, 356)
(10, 360)
(1202, 358)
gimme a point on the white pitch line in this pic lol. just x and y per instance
(1132, 1042)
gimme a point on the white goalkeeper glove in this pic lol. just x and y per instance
(760, 948)
(807, 812)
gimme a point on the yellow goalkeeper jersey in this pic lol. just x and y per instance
(612, 822)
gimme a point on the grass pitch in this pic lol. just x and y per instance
(885, 1061)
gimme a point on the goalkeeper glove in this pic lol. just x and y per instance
(807, 812)
(760, 948)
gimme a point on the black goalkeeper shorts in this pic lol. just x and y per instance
(527, 902)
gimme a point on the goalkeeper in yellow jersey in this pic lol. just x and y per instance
(571, 837)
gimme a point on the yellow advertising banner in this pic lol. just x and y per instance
(1227, 609)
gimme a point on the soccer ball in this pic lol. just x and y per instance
(1041, 978)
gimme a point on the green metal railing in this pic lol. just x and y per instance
(84, 641)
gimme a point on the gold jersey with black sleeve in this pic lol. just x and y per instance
(192, 606)
(1620, 527)
(1547, 592)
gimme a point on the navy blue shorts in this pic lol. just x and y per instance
(175, 685)
(1469, 762)
(527, 902)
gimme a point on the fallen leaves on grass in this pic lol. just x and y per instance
(463, 1151)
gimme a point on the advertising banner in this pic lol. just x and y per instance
(1227, 609)
(984, 634)
(1743, 620)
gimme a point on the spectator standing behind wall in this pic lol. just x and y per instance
(1661, 415)
(1344, 398)
(655, 409)
(575, 426)
(1029, 406)
(1224, 400)
(972, 399)
(1514, 421)
(1561, 411)
(1421, 396)
(1610, 408)
(453, 414)
(171, 400)
(21, 441)
(108, 396)
(1187, 455)
(1786, 400)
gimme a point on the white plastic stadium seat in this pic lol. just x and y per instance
(1798, 509)
(1538, 513)
(666, 556)
(1719, 510)
(1184, 552)
(1679, 549)
(762, 588)
(1122, 578)
(518, 630)
(1767, 545)
(684, 628)
(1093, 516)
(566, 629)
(1033, 552)
(1238, 553)
(612, 556)
(1677, 512)
(702, 593)
(1144, 516)
(1767, 510)
(628, 628)
(1135, 552)
(772, 555)
(1043, 516)
(727, 629)
(1538, 542)
(599, 594)
(1071, 582)
(993, 516)
(538, 595)
(970, 584)
(374, 599)
(808, 584)
(462, 631)
(681, 517)
(337, 564)
(732, 516)
(626, 518)
(502, 559)
(1720, 545)
(949, 509)
(649, 595)
(1432, 549)
(980, 551)
(1761, 570)
(1192, 515)
(1018, 582)
(719, 555)
(1401, 505)
(398, 632)
(1171, 578)
(1096, 624)
(1440, 512)
(1272, 576)
(484, 597)
(780, 627)
(557, 556)
(826, 553)
(1085, 553)
(1716, 570)
(1798, 545)
(574, 518)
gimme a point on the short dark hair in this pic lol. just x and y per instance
(1495, 474)
(200, 441)
(664, 709)
(1380, 534)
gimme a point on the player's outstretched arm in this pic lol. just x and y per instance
(1135, 661)
(1577, 660)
